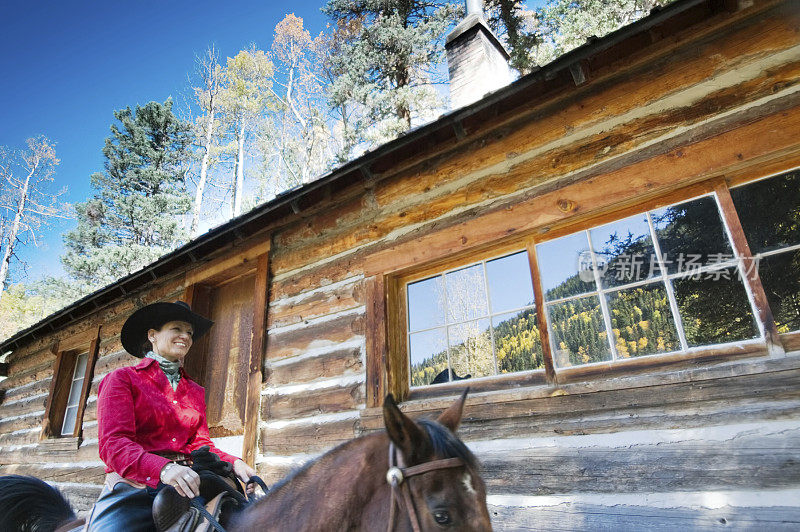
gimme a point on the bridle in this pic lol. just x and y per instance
(396, 477)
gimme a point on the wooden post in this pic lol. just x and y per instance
(377, 349)
(257, 346)
(751, 277)
(541, 318)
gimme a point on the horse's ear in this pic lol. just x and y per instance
(451, 417)
(409, 439)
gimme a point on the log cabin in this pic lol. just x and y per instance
(608, 247)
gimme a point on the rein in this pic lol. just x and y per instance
(396, 477)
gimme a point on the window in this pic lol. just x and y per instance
(671, 279)
(74, 398)
(69, 389)
(474, 321)
(769, 211)
(661, 281)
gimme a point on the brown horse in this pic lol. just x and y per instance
(433, 483)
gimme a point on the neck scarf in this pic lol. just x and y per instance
(171, 369)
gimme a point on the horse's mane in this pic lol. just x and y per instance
(446, 444)
(28, 504)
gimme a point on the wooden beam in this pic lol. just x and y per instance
(541, 317)
(257, 352)
(376, 340)
(750, 267)
(233, 260)
(751, 144)
(91, 359)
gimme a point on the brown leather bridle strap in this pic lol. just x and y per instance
(396, 476)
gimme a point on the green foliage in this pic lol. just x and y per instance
(23, 305)
(389, 64)
(134, 217)
(566, 24)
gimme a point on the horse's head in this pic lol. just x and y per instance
(446, 497)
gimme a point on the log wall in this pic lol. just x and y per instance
(703, 443)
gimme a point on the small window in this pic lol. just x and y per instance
(475, 321)
(73, 401)
(69, 390)
(665, 280)
(769, 211)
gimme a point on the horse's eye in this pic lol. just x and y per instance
(442, 517)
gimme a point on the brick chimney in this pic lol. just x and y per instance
(476, 61)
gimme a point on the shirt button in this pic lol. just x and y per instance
(173, 439)
(148, 478)
(175, 402)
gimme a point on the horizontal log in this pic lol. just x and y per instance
(762, 380)
(320, 302)
(312, 276)
(19, 438)
(319, 333)
(35, 452)
(22, 422)
(77, 472)
(338, 361)
(307, 437)
(581, 516)
(22, 405)
(738, 461)
(29, 390)
(35, 374)
(312, 402)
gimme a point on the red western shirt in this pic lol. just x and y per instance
(138, 414)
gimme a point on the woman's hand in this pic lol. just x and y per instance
(243, 471)
(182, 478)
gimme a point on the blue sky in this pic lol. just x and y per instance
(69, 65)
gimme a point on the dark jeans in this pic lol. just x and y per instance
(123, 508)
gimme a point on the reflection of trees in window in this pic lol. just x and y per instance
(689, 268)
(769, 211)
(489, 323)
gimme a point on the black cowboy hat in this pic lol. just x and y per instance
(134, 331)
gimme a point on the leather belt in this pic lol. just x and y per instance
(178, 458)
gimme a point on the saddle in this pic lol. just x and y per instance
(218, 485)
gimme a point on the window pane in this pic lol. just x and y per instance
(428, 354)
(80, 366)
(565, 266)
(691, 235)
(426, 304)
(579, 336)
(517, 342)
(75, 392)
(625, 249)
(770, 211)
(471, 349)
(780, 275)
(510, 285)
(641, 321)
(714, 308)
(466, 294)
(68, 428)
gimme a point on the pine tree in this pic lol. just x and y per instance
(134, 217)
(389, 66)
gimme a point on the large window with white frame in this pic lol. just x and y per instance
(669, 279)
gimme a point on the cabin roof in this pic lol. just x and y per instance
(564, 74)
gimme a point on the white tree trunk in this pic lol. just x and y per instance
(201, 184)
(12, 235)
(237, 191)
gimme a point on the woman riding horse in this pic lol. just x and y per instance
(150, 417)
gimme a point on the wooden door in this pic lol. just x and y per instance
(221, 360)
